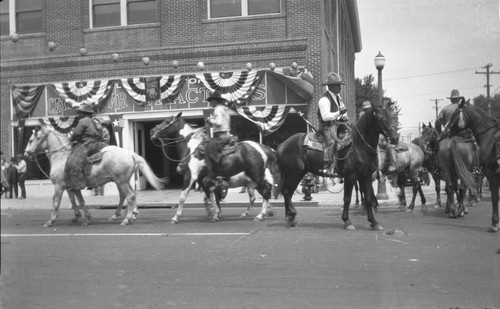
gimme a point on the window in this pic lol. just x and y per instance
(108, 13)
(233, 8)
(28, 16)
(4, 18)
(21, 16)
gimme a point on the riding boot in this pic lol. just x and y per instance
(498, 167)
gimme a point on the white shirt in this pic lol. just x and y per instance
(324, 108)
(220, 121)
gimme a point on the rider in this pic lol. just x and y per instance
(366, 105)
(86, 140)
(445, 116)
(220, 124)
(331, 110)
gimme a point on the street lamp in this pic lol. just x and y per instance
(379, 65)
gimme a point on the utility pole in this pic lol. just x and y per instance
(487, 73)
(436, 107)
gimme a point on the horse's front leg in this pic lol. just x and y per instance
(56, 202)
(131, 203)
(81, 201)
(461, 209)
(437, 188)
(493, 183)
(348, 186)
(74, 206)
(370, 201)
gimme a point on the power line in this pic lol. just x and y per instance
(488, 85)
(429, 74)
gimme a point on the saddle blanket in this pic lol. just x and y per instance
(311, 141)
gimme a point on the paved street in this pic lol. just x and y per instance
(419, 260)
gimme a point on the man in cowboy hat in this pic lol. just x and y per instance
(364, 107)
(86, 140)
(444, 117)
(220, 124)
(331, 109)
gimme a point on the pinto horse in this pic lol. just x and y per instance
(450, 156)
(176, 131)
(484, 129)
(117, 165)
(356, 162)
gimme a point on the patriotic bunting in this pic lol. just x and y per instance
(25, 99)
(235, 87)
(169, 87)
(267, 118)
(91, 92)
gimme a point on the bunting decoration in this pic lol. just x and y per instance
(169, 87)
(90, 92)
(63, 124)
(117, 126)
(267, 118)
(236, 87)
(25, 99)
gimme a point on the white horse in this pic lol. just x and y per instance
(117, 165)
(175, 131)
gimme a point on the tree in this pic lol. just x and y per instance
(482, 102)
(366, 89)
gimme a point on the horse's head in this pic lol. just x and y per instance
(167, 129)
(429, 137)
(37, 142)
(384, 118)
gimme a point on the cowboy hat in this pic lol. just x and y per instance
(216, 96)
(85, 108)
(333, 79)
(366, 105)
(455, 94)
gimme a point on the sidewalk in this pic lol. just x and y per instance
(39, 196)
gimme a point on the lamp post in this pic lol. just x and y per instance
(379, 65)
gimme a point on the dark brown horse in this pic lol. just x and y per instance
(356, 162)
(484, 128)
(450, 155)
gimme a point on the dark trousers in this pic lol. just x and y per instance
(21, 177)
(13, 188)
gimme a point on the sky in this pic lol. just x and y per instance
(431, 47)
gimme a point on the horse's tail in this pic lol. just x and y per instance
(272, 164)
(144, 167)
(462, 170)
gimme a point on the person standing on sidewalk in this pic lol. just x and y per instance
(4, 183)
(11, 175)
(21, 174)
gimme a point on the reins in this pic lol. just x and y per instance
(47, 152)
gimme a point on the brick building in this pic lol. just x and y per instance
(57, 54)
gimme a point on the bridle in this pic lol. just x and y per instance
(169, 141)
(37, 151)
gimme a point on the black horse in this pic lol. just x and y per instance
(356, 162)
(484, 129)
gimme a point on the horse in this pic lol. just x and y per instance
(117, 165)
(176, 131)
(356, 162)
(448, 164)
(484, 129)
(429, 164)
(409, 160)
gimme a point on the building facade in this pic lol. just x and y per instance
(141, 61)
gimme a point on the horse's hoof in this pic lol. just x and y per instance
(402, 208)
(409, 210)
(292, 223)
(270, 214)
(173, 221)
(349, 227)
(257, 219)
(493, 229)
(377, 227)
(215, 219)
(243, 215)
(466, 211)
(453, 214)
(113, 218)
(126, 222)
(48, 224)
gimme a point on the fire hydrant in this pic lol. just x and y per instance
(308, 182)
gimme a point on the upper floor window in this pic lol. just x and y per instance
(21, 16)
(108, 13)
(234, 8)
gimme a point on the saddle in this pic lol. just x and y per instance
(230, 147)
(93, 159)
(314, 141)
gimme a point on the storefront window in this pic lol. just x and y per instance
(234, 8)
